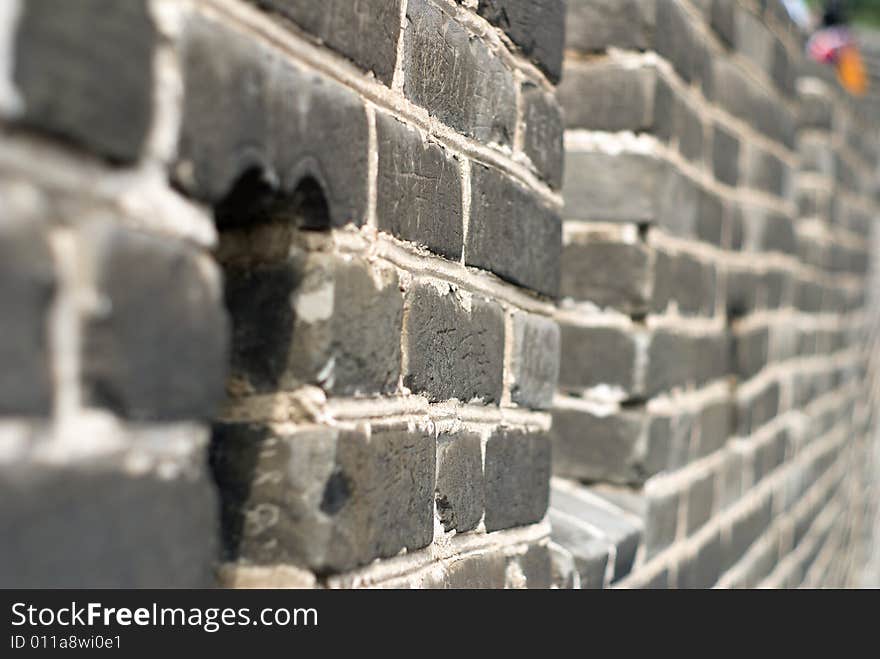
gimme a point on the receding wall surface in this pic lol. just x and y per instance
(337, 294)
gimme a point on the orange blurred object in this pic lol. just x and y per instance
(851, 70)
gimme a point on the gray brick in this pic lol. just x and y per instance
(725, 155)
(511, 233)
(612, 188)
(456, 77)
(703, 567)
(716, 425)
(746, 529)
(315, 319)
(600, 448)
(723, 20)
(85, 72)
(366, 33)
(753, 40)
(751, 352)
(766, 172)
(87, 526)
(453, 352)
(594, 356)
(686, 281)
(605, 95)
(623, 531)
(594, 25)
(157, 349)
(536, 566)
(590, 553)
(27, 286)
(676, 360)
(481, 571)
(360, 498)
(542, 133)
(418, 189)
(607, 272)
(676, 39)
(700, 501)
(460, 494)
(661, 522)
(534, 363)
(536, 26)
(517, 468)
(289, 129)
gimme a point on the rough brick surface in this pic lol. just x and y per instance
(365, 32)
(536, 26)
(517, 478)
(157, 348)
(455, 77)
(226, 134)
(511, 233)
(419, 189)
(361, 498)
(27, 284)
(95, 521)
(73, 81)
(454, 351)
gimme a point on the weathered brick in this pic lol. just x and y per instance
(85, 72)
(750, 351)
(723, 20)
(661, 521)
(676, 39)
(534, 362)
(156, 350)
(685, 281)
(456, 77)
(607, 95)
(418, 189)
(608, 272)
(517, 468)
(614, 188)
(460, 494)
(535, 566)
(512, 233)
(725, 155)
(590, 553)
(594, 356)
(315, 319)
(366, 33)
(753, 40)
(250, 116)
(766, 172)
(715, 426)
(689, 131)
(700, 501)
(623, 532)
(362, 497)
(703, 567)
(482, 571)
(94, 521)
(746, 529)
(542, 133)
(536, 26)
(591, 447)
(594, 25)
(676, 360)
(27, 286)
(712, 216)
(454, 351)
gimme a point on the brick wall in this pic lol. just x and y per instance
(299, 293)
(348, 212)
(711, 420)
